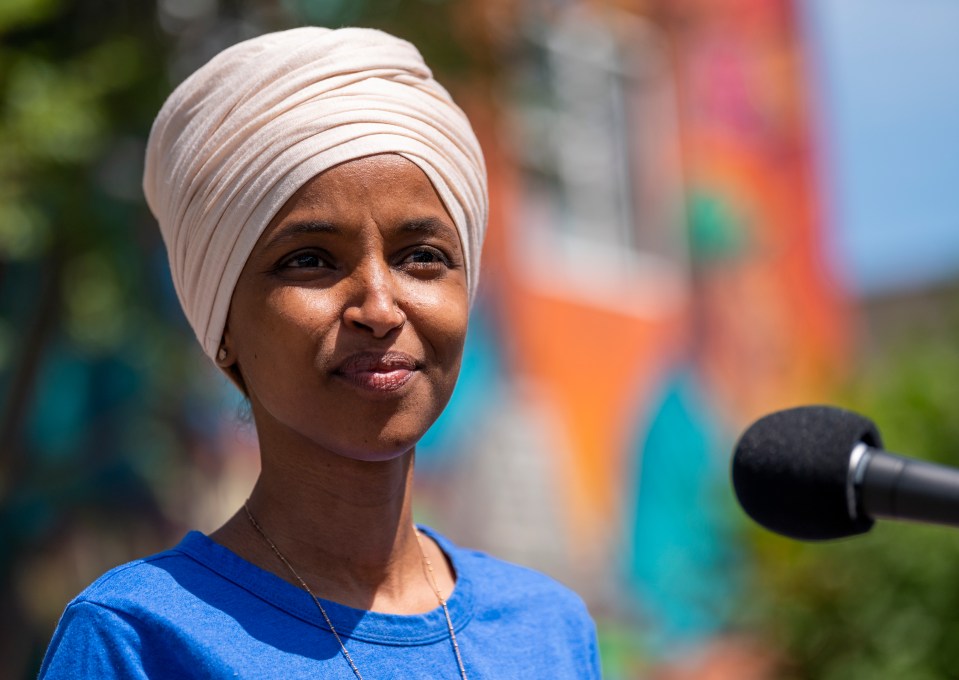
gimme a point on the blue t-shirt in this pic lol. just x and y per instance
(201, 611)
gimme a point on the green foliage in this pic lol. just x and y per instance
(881, 606)
(88, 354)
(56, 119)
(431, 25)
(16, 13)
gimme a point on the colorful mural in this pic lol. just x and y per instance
(654, 281)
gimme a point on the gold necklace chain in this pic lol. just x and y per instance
(329, 623)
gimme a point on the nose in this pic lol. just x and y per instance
(373, 305)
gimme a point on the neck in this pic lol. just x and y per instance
(353, 514)
(345, 526)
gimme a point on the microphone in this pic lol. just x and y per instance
(819, 472)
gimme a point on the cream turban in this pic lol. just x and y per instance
(236, 140)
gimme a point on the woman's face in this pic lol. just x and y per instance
(348, 320)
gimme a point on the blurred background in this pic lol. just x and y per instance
(702, 211)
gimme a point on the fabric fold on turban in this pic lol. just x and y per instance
(240, 136)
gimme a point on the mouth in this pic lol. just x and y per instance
(377, 371)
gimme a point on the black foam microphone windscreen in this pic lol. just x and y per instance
(790, 471)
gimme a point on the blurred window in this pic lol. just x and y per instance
(598, 141)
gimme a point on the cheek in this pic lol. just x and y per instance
(281, 334)
(304, 312)
(443, 318)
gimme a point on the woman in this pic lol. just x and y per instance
(323, 204)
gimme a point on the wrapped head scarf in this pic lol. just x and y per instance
(236, 140)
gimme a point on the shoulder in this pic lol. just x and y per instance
(494, 573)
(142, 584)
(103, 625)
(132, 607)
(506, 585)
(103, 638)
(515, 603)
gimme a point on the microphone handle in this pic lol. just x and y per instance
(904, 488)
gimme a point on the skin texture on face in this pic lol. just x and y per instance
(348, 320)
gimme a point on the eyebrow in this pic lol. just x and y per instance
(431, 226)
(428, 226)
(290, 231)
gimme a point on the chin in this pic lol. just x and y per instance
(380, 451)
(377, 442)
(356, 429)
(387, 434)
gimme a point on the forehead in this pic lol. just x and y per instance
(383, 186)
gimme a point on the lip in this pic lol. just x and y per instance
(378, 372)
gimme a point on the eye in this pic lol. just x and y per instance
(304, 259)
(427, 256)
(425, 260)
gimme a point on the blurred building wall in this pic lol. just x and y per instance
(654, 279)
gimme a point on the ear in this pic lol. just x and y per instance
(225, 357)
(226, 361)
